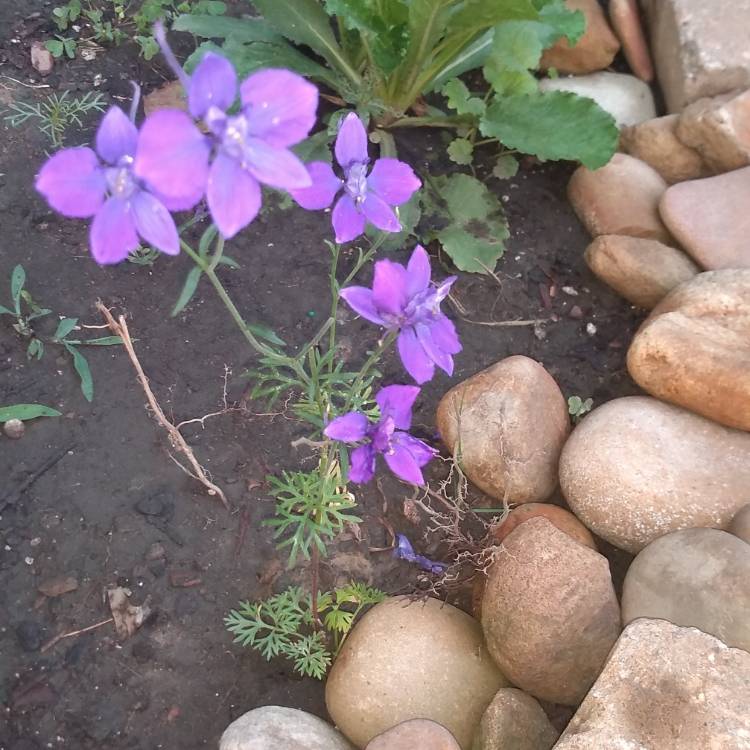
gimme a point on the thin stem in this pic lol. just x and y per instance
(385, 344)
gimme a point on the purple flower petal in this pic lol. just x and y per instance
(113, 233)
(348, 428)
(233, 195)
(404, 551)
(396, 401)
(73, 182)
(213, 83)
(418, 271)
(413, 356)
(379, 213)
(406, 457)
(440, 357)
(277, 167)
(172, 158)
(323, 190)
(154, 223)
(444, 289)
(348, 223)
(116, 136)
(281, 106)
(351, 141)
(359, 298)
(444, 334)
(394, 181)
(362, 467)
(389, 287)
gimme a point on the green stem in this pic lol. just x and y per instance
(385, 343)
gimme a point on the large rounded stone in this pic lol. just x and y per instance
(514, 721)
(740, 525)
(694, 349)
(279, 728)
(695, 578)
(559, 517)
(507, 425)
(412, 660)
(626, 22)
(637, 468)
(414, 734)
(665, 688)
(642, 271)
(620, 198)
(549, 613)
(594, 51)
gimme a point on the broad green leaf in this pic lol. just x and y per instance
(467, 198)
(264, 332)
(221, 27)
(188, 290)
(24, 412)
(84, 372)
(506, 166)
(17, 280)
(459, 98)
(103, 341)
(461, 151)
(35, 349)
(428, 20)
(478, 15)
(553, 125)
(472, 252)
(562, 21)
(55, 47)
(65, 326)
(305, 22)
(469, 58)
(516, 49)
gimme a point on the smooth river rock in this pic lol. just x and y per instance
(513, 721)
(620, 198)
(507, 426)
(557, 516)
(279, 728)
(740, 525)
(626, 22)
(595, 50)
(412, 660)
(665, 688)
(696, 578)
(414, 734)
(710, 220)
(656, 142)
(628, 99)
(642, 271)
(549, 612)
(637, 468)
(694, 349)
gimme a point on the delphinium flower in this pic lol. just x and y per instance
(250, 146)
(404, 551)
(108, 185)
(403, 299)
(366, 197)
(404, 454)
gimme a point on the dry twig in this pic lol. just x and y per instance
(50, 643)
(120, 328)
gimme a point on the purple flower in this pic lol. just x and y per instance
(402, 298)
(404, 551)
(367, 197)
(404, 454)
(108, 185)
(251, 146)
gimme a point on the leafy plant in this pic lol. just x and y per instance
(143, 256)
(577, 407)
(56, 113)
(65, 15)
(62, 45)
(285, 625)
(26, 412)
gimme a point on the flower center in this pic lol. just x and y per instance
(231, 131)
(356, 183)
(120, 179)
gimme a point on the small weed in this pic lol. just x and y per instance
(143, 256)
(56, 113)
(577, 407)
(62, 45)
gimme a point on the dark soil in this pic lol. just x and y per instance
(90, 494)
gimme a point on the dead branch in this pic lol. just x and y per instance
(120, 328)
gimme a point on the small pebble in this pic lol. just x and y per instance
(590, 329)
(14, 429)
(575, 312)
(569, 290)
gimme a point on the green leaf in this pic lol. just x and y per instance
(103, 341)
(469, 58)
(35, 349)
(516, 49)
(55, 47)
(461, 151)
(241, 29)
(188, 289)
(305, 22)
(428, 20)
(506, 166)
(84, 372)
(5, 311)
(24, 412)
(459, 98)
(65, 326)
(562, 21)
(17, 280)
(315, 148)
(149, 46)
(477, 15)
(553, 125)
(206, 239)
(264, 332)
(475, 234)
